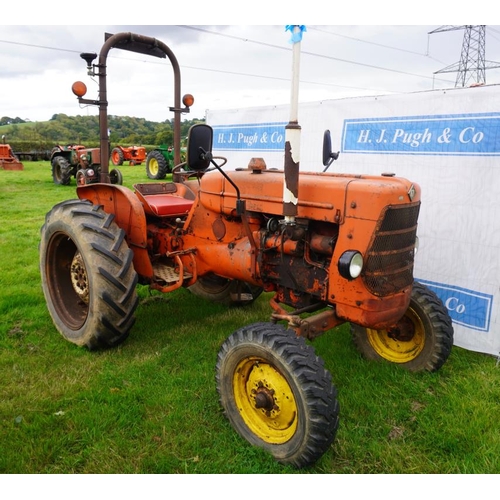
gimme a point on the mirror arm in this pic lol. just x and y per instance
(240, 204)
(333, 157)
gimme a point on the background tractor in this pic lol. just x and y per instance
(75, 160)
(135, 155)
(160, 162)
(8, 159)
(329, 249)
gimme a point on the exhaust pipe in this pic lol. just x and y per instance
(292, 136)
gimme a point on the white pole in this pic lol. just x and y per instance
(292, 136)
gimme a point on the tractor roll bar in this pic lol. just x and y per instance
(143, 45)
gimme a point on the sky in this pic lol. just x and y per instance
(225, 66)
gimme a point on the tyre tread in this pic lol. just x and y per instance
(312, 377)
(112, 262)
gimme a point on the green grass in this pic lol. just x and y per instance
(150, 406)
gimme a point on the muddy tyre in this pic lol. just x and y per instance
(61, 171)
(87, 275)
(156, 165)
(422, 339)
(223, 291)
(117, 157)
(277, 394)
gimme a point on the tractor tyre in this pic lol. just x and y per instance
(117, 157)
(88, 278)
(116, 177)
(421, 341)
(277, 394)
(157, 166)
(224, 291)
(81, 177)
(61, 171)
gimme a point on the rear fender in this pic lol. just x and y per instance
(129, 215)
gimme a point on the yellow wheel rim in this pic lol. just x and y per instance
(402, 343)
(265, 400)
(153, 166)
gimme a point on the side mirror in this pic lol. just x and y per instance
(199, 147)
(328, 156)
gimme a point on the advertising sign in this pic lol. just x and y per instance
(448, 142)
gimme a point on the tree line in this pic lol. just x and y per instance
(64, 129)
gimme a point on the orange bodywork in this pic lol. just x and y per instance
(129, 215)
(8, 160)
(133, 154)
(195, 229)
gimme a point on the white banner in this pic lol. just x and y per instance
(446, 141)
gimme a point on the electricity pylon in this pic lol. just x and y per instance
(473, 65)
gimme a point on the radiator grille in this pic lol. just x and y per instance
(389, 266)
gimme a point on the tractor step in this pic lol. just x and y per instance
(168, 274)
(241, 297)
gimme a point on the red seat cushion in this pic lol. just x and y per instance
(168, 204)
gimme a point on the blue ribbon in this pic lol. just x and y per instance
(296, 37)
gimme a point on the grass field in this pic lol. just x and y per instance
(150, 406)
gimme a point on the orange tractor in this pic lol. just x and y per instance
(135, 155)
(8, 159)
(328, 248)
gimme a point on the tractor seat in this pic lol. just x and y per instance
(163, 201)
(168, 204)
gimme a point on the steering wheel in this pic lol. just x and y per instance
(185, 174)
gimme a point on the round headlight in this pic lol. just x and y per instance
(350, 264)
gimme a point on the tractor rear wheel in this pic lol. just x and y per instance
(277, 394)
(61, 170)
(422, 339)
(224, 291)
(117, 157)
(156, 165)
(88, 278)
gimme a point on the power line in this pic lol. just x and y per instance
(369, 42)
(313, 54)
(40, 46)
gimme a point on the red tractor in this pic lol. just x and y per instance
(329, 248)
(135, 155)
(84, 164)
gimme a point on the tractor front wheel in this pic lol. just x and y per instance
(277, 394)
(116, 177)
(422, 339)
(224, 291)
(156, 165)
(81, 177)
(87, 275)
(117, 157)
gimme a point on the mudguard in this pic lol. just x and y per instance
(129, 215)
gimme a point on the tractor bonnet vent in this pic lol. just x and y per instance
(389, 267)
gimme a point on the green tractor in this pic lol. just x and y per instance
(160, 161)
